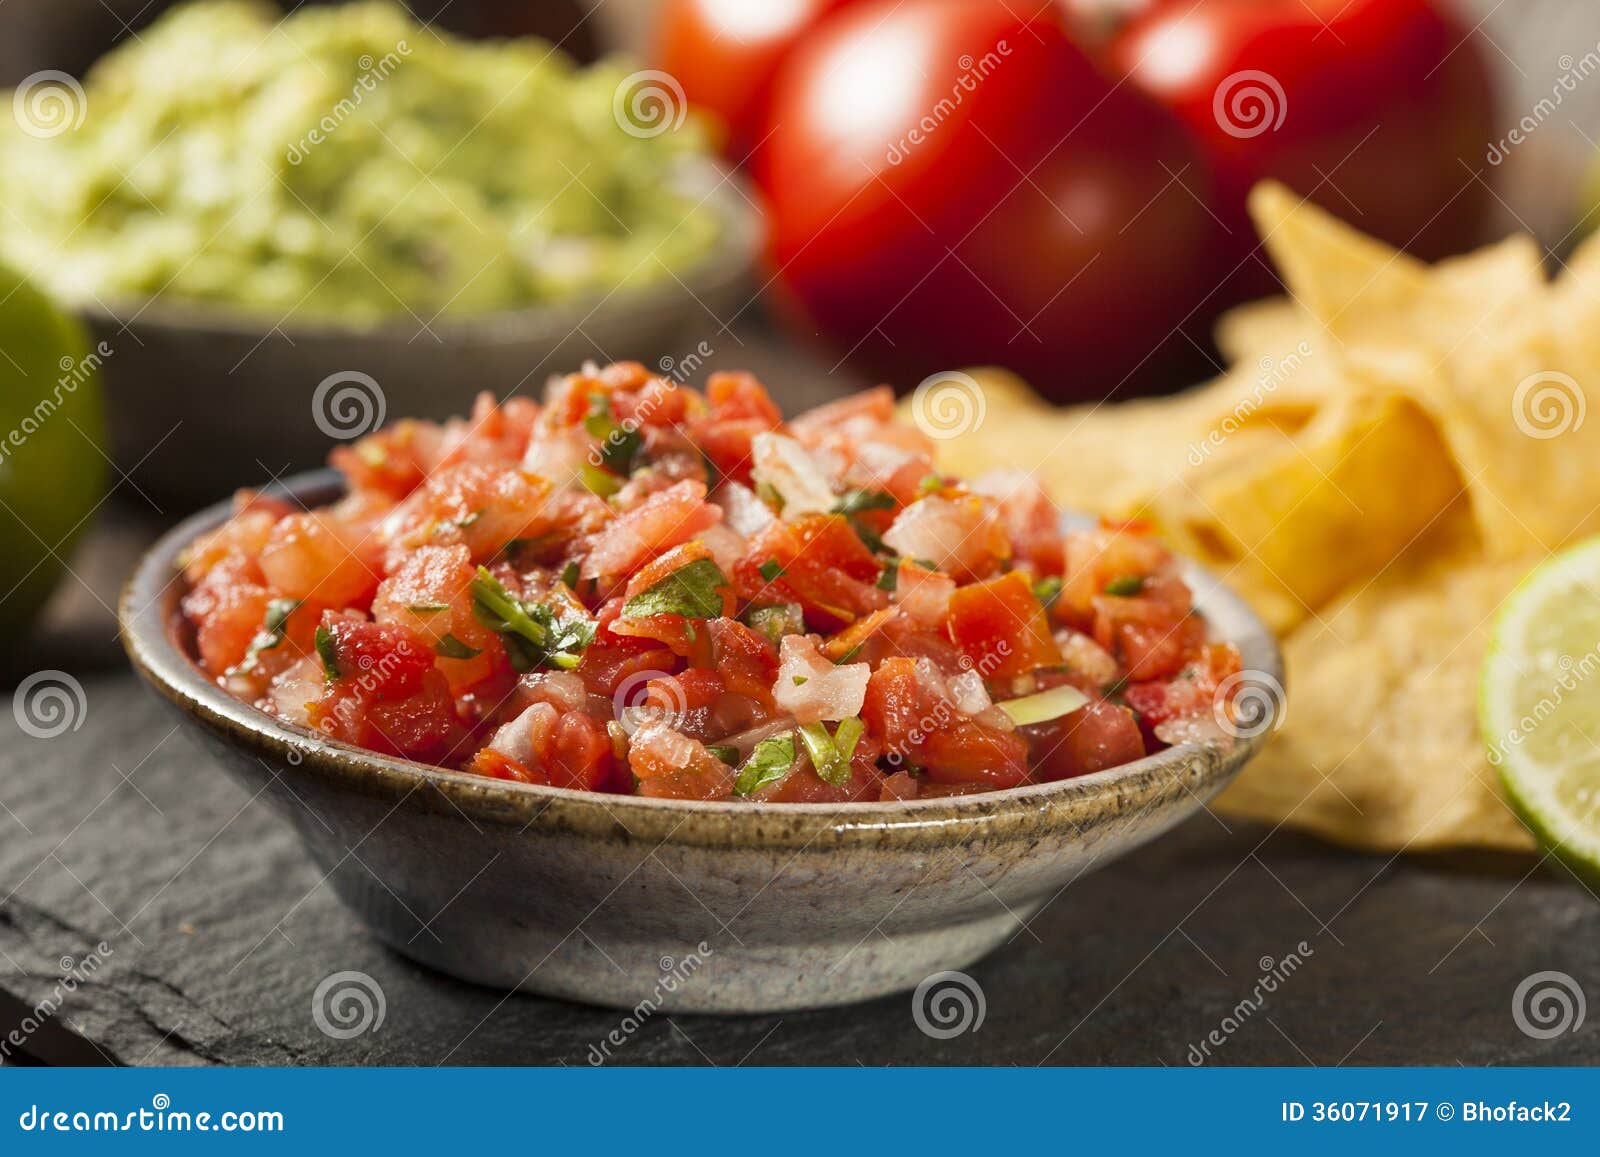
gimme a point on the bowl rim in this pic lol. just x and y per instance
(726, 193)
(148, 611)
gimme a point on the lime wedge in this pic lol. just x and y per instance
(1539, 705)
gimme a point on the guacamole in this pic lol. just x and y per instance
(345, 164)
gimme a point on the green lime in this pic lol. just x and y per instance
(52, 428)
(1539, 705)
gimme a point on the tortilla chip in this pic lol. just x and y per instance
(1293, 525)
(1380, 746)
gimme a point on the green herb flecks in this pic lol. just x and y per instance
(1047, 590)
(451, 647)
(725, 752)
(1125, 587)
(274, 624)
(889, 580)
(768, 763)
(535, 634)
(861, 501)
(770, 570)
(690, 591)
(327, 652)
(619, 444)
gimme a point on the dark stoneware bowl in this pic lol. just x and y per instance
(712, 907)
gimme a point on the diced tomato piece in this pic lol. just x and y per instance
(1001, 628)
(746, 659)
(817, 561)
(891, 710)
(961, 751)
(669, 765)
(315, 557)
(1094, 737)
(663, 521)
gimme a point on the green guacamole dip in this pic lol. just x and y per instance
(343, 164)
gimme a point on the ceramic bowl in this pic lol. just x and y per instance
(706, 907)
(204, 398)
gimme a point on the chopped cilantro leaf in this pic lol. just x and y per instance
(890, 578)
(327, 653)
(690, 591)
(725, 752)
(535, 634)
(569, 575)
(861, 501)
(770, 570)
(768, 763)
(1126, 586)
(1048, 590)
(451, 647)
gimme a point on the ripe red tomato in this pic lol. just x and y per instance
(954, 182)
(1379, 110)
(725, 52)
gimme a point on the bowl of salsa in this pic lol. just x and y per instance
(639, 670)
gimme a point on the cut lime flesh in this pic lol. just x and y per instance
(1539, 705)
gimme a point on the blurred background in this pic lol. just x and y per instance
(242, 239)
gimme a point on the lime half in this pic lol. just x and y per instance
(1539, 705)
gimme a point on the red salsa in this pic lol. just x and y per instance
(638, 588)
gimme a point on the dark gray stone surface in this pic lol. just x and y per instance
(218, 931)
